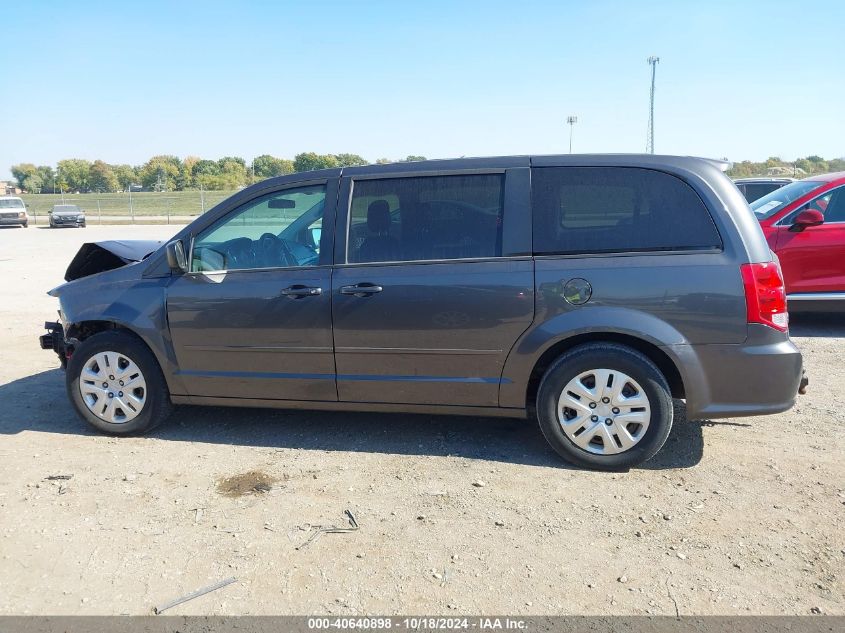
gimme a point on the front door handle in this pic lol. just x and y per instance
(298, 291)
(361, 290)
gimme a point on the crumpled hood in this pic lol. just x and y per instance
(96, 257)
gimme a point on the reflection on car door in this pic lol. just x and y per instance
(426, 308)
(260, 326)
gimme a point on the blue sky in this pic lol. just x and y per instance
(123, 81)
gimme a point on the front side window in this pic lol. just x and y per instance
(831, 205)
(278, 230)
(773, 202)
(426, 218)
(616, 209)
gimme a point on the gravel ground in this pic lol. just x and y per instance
(456, 515)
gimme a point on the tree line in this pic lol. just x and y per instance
(171, 173)
(775, 166)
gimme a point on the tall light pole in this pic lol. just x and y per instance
(649, 145)
(61, 186)
(571, 120)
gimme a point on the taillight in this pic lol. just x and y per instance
(765, 295)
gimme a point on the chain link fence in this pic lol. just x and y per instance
(143, 207)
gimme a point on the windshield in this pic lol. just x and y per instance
(773, 202)
(64, 208)
(11, 203)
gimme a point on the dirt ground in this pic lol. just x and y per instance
(455, 515)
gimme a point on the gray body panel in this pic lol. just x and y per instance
(442, 326)
(236, 336)
(455, 336)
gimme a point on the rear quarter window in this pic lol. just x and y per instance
(617, 209)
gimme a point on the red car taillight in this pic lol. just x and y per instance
(765, 295)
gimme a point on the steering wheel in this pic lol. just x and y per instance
(275, 252)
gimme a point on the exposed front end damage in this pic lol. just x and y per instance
(101, 269)
(55, 340)
(97, 257)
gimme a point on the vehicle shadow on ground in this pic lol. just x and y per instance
(496, 439)
(817, 324)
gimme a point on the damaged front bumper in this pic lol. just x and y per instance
(54, 340)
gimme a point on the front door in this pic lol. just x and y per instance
(426, 307)
(252, 317)
(813, 260)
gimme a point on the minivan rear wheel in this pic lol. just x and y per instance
(116, 385)
(605, 406)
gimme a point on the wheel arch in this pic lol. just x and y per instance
(80, 330)
(651, 351)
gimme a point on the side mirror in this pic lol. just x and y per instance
(176, 257)
(806, 218)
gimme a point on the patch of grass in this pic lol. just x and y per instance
(143, 203)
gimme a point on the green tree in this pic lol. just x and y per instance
(126, 176)
(232, 172)
(413, 159)
(48, 178)
(32, 183)
(267, 166)
(101, 177)
(206, 174)
(187, 175)
(231, 159)
(23, 171)
(308, 161)
(836, 164)
(205, 167)
(803, 163)
(161, 173)
(73, 174)
(350, 160)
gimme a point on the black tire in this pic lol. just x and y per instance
(157, 406)
(606, 356)
(26, 225)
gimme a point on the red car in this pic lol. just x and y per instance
(804, 223)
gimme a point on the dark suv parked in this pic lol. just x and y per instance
(588, 290)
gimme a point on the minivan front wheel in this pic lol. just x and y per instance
(605, 406)
(116, 385)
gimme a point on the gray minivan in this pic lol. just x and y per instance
(585, 290)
